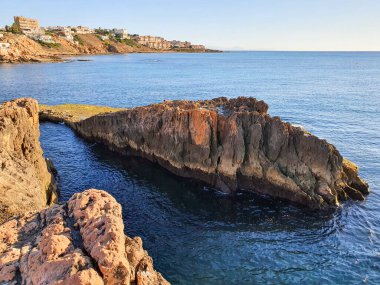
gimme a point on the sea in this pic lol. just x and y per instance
(195, 234)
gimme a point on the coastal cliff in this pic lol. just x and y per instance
(26, 180)
(231, 144)
(24, 49)
(79, 242)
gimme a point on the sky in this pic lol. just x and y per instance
(342, 25)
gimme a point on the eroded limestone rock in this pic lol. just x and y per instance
(26, 184)
(231, 144)
(80, 242)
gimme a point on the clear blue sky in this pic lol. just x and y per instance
(225, 24)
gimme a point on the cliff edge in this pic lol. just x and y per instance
(80, 242)
(26, 183)
(231, 144)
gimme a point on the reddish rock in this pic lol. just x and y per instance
(231, 144)
(26, 184)
(80, 242)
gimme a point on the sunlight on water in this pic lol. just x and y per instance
(194, 235)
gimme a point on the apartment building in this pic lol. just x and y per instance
(27, 25)
(198, 47)
(64, 32)
(83, 30)
(153, 42)
(121, 33)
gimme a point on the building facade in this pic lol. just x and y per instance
(121, 33)
(83, 30)
(27, 25)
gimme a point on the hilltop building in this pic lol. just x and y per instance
(153, 42)
(198, 47)
(26, 25)
(64, 32)
(121, 33)
(83, 30)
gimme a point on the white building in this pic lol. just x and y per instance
(4, 48)
(43, 38)
(121, 33)
(104, 38)
(83, 30)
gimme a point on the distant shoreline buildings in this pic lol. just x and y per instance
(32, 29)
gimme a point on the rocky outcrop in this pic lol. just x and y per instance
(80, 242)
(232, 145)
(26, 184)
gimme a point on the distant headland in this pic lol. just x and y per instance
(26, 41)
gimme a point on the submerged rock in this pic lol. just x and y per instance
(80, 242)
(26, 180)
(231, 144)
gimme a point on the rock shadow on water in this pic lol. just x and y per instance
(241, 212)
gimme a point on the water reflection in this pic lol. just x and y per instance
(197, 235)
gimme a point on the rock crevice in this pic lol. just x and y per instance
(43, 247)
(26, 178)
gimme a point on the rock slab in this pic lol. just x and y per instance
(232, 144)
(26, 183)
(79, 242)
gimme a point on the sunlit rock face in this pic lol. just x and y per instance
(231, 144)
(26, 182)
(80, 242)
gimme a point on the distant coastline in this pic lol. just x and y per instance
(26, 41)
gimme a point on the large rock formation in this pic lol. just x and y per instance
(80, 242)
(26, 184)
(230, 144)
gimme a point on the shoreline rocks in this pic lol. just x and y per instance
(79, 242)
(26, 178)
(233, 145)
(26, 50)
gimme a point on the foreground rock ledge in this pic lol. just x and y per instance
(231, 144)
(26, 180)
(80, 242)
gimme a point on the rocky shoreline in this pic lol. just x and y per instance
(26, 179)
(79, 242)
(231, 144)
(25, 50)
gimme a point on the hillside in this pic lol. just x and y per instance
(24, 49)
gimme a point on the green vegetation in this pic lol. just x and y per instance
(78, 39)
(13, 29)
(102, 32)
(49, 45)
(128, 42)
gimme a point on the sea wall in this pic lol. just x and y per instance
(232, 145)
(26, 182)
(79, 242)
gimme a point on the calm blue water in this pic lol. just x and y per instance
(195, 235)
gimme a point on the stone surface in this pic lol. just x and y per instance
(231, 144)
(26, 184)
(80, 242)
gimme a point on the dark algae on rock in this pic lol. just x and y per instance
(231, 144)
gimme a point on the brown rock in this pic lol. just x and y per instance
(26, 184)
(231, 144)
(46, 248)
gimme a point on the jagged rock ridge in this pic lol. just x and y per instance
(26, 184)
(80, 242)
(231, 144)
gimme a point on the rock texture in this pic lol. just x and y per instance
(231, 144)
(80, 242)
(26, 184)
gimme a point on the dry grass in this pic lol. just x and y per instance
(76, 112)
